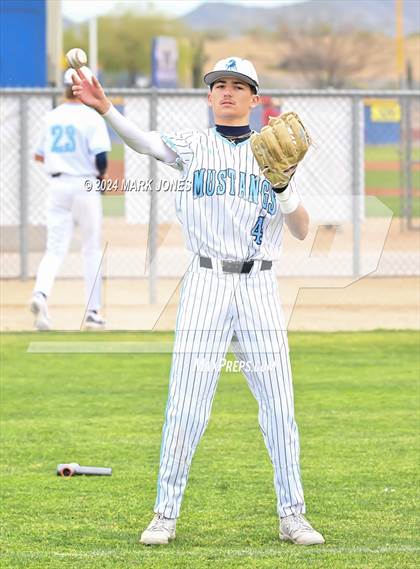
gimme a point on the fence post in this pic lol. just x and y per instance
(357, 194)
(23, 187)
(408, 165)
(403, 165)
(152, 239)
(401, 171)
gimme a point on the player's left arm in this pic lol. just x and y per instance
(295, 214)
(99, 144)
(101, 163)
(298, 222)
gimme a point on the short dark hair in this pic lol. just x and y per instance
(252, 87)
(68, 91)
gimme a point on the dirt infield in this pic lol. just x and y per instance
(309, 303)
(371, 303)
(389, 192)
(388, 165)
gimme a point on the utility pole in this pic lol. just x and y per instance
(93, 45)
(399, 42)
(54, 43)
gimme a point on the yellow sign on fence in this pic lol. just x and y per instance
(384, 110)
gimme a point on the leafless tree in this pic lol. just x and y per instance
(326, 57)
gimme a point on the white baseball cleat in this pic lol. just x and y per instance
(297, 529)
(94, 321)
(160, 531)
(39, 308)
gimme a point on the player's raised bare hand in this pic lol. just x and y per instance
(89, 91)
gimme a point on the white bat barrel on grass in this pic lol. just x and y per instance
(74, 469)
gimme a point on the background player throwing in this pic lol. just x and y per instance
(73, 149)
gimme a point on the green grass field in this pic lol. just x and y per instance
(389, 179)
(113, 205)
(117, 151)
(357, 406)
(374, 206)
(387, 152)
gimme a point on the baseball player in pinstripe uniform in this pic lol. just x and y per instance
(233, 224)
(73, 148)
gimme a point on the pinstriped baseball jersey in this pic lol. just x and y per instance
(229, 213)
(227, 209)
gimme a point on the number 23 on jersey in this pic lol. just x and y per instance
(64, 138)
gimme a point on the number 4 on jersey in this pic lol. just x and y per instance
(257, 231)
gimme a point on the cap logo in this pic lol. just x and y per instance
(231, 65)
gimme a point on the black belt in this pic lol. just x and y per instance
(56, 175)
(235, 266)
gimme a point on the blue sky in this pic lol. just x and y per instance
(79, 10)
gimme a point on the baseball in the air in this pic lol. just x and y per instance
(76, 57)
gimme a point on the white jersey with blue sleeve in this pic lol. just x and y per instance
(227, 209)
(73, 135)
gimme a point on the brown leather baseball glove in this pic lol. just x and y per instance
(279, 147)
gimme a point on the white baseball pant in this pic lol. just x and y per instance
(216, 307)
(70, 204)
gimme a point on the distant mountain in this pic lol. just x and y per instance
(369, 15)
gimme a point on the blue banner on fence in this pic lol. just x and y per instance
(164, 62)
(382, 121)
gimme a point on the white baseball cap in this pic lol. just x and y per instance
(68, 75)
(233, 67)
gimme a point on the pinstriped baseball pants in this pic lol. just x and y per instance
(216, 308)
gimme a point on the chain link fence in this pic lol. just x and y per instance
(360, 183)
